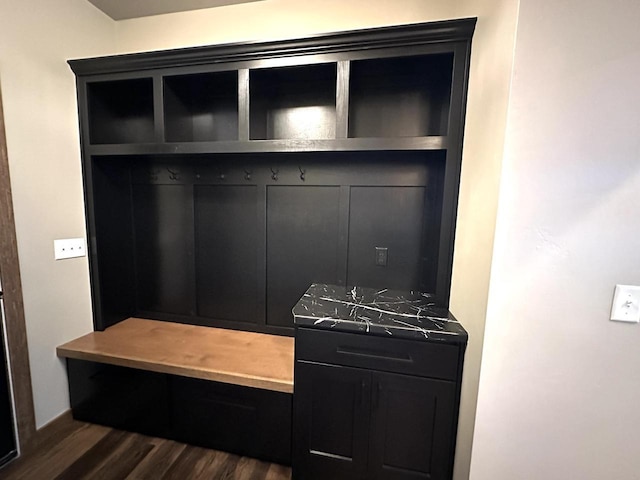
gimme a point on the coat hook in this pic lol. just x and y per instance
(173, 175)
(274, 174)
(247, 175)
(302, 173)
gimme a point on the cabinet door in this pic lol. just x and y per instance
(411, 428)
(331, 417)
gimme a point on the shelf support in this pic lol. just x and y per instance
(342, 99)
(243, 104)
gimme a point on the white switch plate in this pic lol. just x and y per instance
(626, 304)
(69, 248)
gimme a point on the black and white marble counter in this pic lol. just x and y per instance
(392, 313)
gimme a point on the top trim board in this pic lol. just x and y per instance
(385, 37)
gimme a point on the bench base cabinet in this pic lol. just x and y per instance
(360, 423)
(236, 419)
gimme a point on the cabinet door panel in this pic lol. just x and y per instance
(332, 406)
(412, 423)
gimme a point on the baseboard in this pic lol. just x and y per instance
(49, 430)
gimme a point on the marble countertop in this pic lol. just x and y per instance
(383, 312)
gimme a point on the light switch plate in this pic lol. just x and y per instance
(69, 248)
(626, 304)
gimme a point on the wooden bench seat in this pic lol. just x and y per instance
(223, 389)
(248, 359)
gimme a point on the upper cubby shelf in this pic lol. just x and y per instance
(201, 107)
(121, 111)
(293, 102)
(400, 97)
(390, 88)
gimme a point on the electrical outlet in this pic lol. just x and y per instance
(69, 248)
(626, 304)
(382, 256)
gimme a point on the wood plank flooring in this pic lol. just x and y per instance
(81, 450)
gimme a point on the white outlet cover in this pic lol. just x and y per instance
(626, 304)
(69, 248)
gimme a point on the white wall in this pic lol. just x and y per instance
(490, 76)
(560, 384)
(38, 88)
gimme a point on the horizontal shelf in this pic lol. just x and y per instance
(277, 146)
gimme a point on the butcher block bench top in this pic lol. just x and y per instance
(249, 359)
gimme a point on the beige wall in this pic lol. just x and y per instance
(560, 383)
(490, 77)
(272, 19)
(46, 173)
(36, 39)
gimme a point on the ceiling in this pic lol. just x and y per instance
(120, 10)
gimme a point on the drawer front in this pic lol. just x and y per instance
(424, 359)
(241, 420)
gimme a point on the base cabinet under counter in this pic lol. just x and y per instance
(368, 406)
(353, 423)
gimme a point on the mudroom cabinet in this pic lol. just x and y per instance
(220, 183)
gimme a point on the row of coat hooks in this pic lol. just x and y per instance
(174, 174)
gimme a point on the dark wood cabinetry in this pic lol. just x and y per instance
(242, 420)
(355, 418)
(221, 181)
(331, 421)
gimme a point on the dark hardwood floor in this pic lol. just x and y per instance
(79, 450)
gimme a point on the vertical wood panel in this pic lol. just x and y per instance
(226, 244)
(451, 184)
(343, 234)
(243, 105)
(13, 303)
(342, 99)
(158, 109)
(302, 238)
(111, 215)
(391, 218)
(163, 247)
(261, 252)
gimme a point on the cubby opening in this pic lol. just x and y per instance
(293, 102)
(400, 97)
(235, 240)
(121, 111)
(201, 107)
